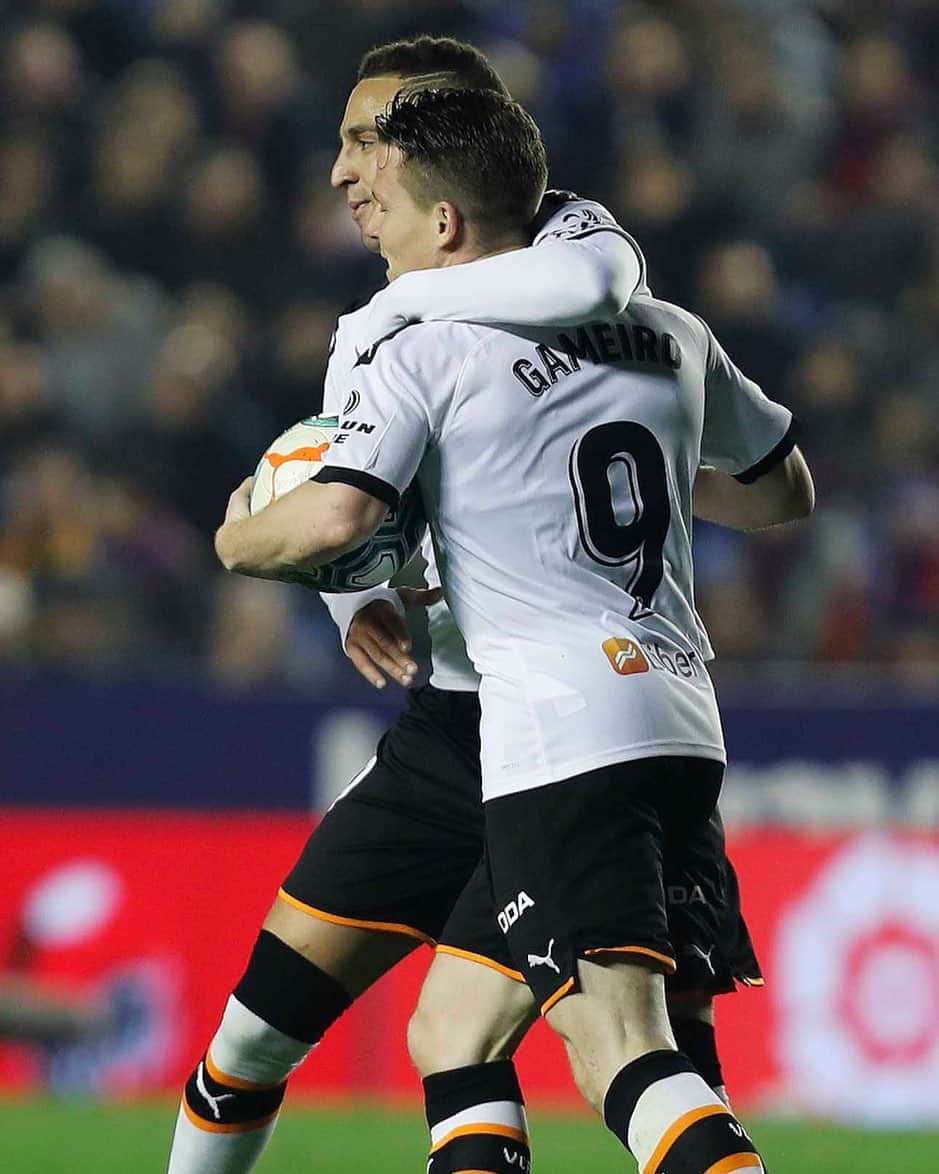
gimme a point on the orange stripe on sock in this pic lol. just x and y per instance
(236, 1081)
(668, 963)
(470, 1130)
(736, 1162)
(219, 1127)
(672, 1134)
(356, 923)
(557, 996)
(483, 961)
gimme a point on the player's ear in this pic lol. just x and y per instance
(449, 223)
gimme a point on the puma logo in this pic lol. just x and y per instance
(706, 957)
(547, 960)
(212, 1102)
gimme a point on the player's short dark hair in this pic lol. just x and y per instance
(476, 148)
(443, 61)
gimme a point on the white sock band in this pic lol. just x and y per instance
(247, 1048)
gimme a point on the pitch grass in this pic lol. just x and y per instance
(49, 1137)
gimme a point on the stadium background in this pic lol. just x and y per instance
(171, 262)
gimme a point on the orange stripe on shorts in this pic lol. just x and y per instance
(356, 923)
(482, 960)
(558, 996)
(668, 963)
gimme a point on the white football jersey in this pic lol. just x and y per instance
(557, 469)
(562, 216)
(451, 667)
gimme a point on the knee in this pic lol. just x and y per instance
(438, 1042)
(424, 1043)
(288, 992)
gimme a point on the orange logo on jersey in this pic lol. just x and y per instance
(625, 656)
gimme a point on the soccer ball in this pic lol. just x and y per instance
(296, 456)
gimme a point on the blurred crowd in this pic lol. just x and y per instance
(172, 260)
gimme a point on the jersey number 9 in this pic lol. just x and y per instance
(617, 474)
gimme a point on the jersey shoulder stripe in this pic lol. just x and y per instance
(368, 356)
(373, 486)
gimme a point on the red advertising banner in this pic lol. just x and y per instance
(149, 918)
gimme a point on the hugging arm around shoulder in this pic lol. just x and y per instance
(558, 282)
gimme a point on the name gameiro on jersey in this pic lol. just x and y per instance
(562, 520)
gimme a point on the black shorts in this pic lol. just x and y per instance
(402, 850)
(395, 851)
(577, 868)
(713, 951)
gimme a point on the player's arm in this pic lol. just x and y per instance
(371, 623)
(305, 528)
(373, 633)
(784, 493)
(383, 431)
(373, 630)
(582, 266)
(372, 627)
(757, 477)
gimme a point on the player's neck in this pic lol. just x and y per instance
(473, 251)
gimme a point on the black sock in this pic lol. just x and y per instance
(671, 1121)
(477, 1120)
(697, 1040)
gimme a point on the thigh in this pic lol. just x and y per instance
(353, 956)
(576, 868)
(395, 850)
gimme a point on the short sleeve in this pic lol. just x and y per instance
(386, 422)
(745, 432)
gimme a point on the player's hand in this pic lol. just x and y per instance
(239, 506)
(378, 642)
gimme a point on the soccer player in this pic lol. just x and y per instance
(382, 872)
(562, 284)
(449, 1054)
(558, 469)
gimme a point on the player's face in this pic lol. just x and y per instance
(409, 235)
(356, 164)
